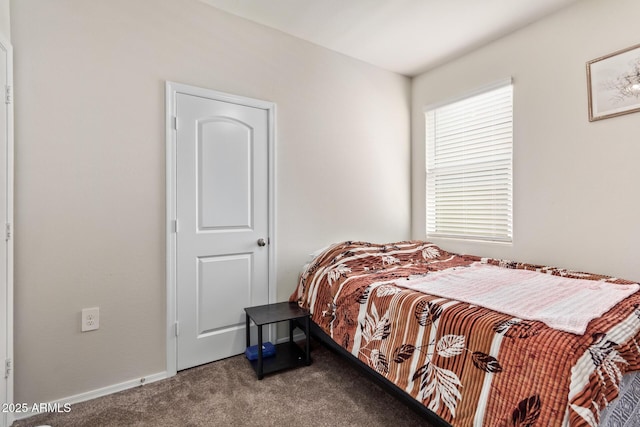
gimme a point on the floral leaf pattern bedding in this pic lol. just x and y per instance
(468, 364)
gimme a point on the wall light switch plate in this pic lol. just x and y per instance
(90, 319)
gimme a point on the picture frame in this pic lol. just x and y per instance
(613, 84)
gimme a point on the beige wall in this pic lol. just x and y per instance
(576, 198)
(5, 21)
(90, 168)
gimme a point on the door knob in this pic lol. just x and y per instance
(261, 242)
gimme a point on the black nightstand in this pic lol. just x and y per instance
(288, 354)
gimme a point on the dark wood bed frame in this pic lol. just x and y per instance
(386, 385)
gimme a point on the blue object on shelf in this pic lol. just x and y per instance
(268, 349)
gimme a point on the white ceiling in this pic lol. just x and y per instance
(404, 36)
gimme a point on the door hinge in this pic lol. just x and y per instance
(175, 225)
(175, 122)
(7, 232)
(176, 328)
(8, 96)
(8, 367)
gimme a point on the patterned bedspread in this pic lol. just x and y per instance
(468, 364)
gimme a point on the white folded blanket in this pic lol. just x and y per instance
(562, 303)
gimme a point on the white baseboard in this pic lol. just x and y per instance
(104, 391)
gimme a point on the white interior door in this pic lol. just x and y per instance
(222, 210)
(6, 248)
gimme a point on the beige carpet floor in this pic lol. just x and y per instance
(330, 392)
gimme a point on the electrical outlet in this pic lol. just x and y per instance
(90, 319)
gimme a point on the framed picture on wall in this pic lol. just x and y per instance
(614, 84)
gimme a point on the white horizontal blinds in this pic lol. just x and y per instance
(469, 174)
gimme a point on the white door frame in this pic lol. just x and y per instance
(8, 418)
(171, 91)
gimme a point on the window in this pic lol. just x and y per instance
(469, 174)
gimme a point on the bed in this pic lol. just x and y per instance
(406, 311)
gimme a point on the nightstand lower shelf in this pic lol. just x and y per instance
(288, 355)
